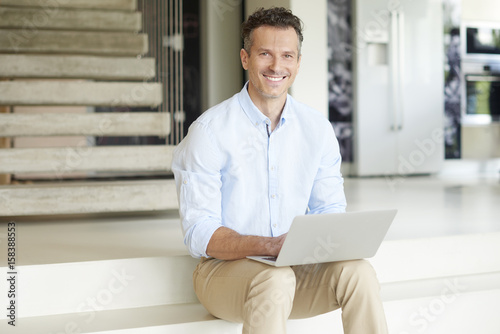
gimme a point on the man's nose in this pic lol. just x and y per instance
(275, 64)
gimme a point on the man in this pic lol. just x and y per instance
(247, 167)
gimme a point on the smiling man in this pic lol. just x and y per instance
(272, 62)
(247, 167)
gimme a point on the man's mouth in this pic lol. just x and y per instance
(275, 79)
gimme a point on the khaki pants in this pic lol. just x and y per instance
(263, 297)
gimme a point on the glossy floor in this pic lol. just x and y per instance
(431, 206)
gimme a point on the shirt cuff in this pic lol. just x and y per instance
(200, 237)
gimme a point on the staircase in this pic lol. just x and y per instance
(80, 53)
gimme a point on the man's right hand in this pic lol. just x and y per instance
(227, 244)
(275, 244)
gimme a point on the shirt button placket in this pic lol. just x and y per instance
(273, 184)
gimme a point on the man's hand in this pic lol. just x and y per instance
(227, 244)
(275, 245)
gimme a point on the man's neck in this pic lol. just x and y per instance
(270, 107)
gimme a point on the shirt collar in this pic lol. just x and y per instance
(254, 114)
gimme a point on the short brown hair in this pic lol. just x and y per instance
(274, 17)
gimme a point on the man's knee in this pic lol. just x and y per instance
(275, 283)
(273, 287)
(358, 266)
(359, 272)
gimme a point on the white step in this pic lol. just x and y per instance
(50, 93)
(72, 42)
(475, 312)
(127, 5)
(78, 67)
(103, 159)
(189, 318)
(104, 285)
(464, 313)
(87, 197)
(61, 19)
(420, 259)
(164, 319)
(116, 267)
(149, 250)
(427, 266)
(90, 124)
(121, 261)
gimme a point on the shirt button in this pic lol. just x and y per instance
(268, 122)
(185, 182)
(274, 225)
(272, 168)
(256, 123)
(273, 196)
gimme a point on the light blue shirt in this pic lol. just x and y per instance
(230, 170)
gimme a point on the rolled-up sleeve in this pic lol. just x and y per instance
(327, 195)
(196, 167)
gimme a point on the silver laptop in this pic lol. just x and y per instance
(332, 237)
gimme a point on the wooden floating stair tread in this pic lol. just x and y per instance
(53, 61)
(15, 17)
(90, 124)
(76, 67)
(103, 158)
(87, 197)
(125, 5)
(72, 42)
(52, 93)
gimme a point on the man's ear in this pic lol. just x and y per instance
(244, 59)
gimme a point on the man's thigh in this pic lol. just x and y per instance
(224, 287)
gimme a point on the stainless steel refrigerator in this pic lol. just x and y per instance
(398, 87)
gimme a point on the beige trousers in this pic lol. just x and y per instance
(263, 297)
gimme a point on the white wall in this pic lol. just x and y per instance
(311, 84)
(221, 70)
(477, 10)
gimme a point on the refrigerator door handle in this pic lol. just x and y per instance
(401, 67)
(394, 69)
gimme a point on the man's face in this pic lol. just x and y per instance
(273, 62)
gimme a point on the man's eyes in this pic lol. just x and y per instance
(287, 56)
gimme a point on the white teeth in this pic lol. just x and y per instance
(275, 79)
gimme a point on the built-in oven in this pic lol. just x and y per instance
(480, 41)
(480, 67)
(481, 94)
